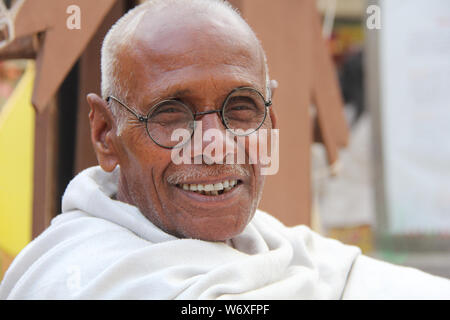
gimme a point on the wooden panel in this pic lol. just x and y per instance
(55, 60)
(284, 30)
(326, 92)
(90, 77)
(298, 59)
(45, 144)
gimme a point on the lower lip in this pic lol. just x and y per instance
(224, 197)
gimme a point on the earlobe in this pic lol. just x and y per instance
(102, 132)
(273, 118)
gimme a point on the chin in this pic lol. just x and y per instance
(218, 228)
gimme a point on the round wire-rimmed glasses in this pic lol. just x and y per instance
(243, 112)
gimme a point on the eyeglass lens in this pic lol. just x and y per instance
(243, 112)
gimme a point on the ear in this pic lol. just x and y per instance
(273, 115)
(273, 118)
(102, 132)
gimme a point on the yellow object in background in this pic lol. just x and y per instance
(16, 166)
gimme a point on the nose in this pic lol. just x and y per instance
(210, 120)
(212, 142)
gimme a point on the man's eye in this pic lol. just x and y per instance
(167, 110)
(171, 110)
(171, 114)
(245, 108)
(242, 107)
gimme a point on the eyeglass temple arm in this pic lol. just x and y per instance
(268, 103)
(137, 115)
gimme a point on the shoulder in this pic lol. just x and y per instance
(331, 258)
(375, 279)
(302, 235)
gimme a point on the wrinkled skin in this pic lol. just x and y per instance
(198, 59)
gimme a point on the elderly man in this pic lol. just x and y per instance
(140, 226)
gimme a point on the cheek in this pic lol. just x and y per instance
(142, 158)
(143, 165)
(138, 147)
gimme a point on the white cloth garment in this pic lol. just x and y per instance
(100, 248)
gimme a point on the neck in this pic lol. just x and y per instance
(123, 193)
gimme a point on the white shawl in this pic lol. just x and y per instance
(100, 248)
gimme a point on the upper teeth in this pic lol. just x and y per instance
(224, 185)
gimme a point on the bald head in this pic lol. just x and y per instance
(164, 30)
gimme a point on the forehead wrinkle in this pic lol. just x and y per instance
(173, 33)
(156, 70)
(193, 98)
(193, 54)
(173, 61)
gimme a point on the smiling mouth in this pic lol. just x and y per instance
(211, 189)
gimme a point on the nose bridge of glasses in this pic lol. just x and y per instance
(202, 113)
(209, 119)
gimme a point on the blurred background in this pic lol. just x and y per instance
(362, 101)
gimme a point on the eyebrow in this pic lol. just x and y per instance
(180, 93)
(168, 94)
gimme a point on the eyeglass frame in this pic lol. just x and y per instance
(142, 118)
